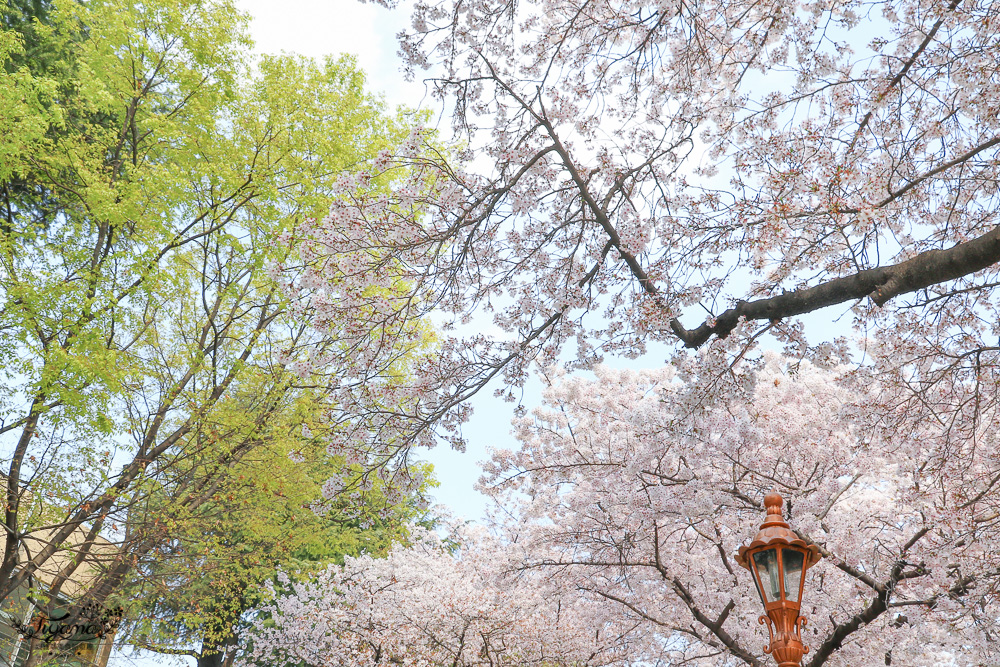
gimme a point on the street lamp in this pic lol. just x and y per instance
(778, 559)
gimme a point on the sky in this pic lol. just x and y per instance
(316, 28)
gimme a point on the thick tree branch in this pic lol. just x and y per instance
(878, 605)
(842, 631)
(880, 284)
(715, 626)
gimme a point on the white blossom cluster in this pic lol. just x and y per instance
(434, 603)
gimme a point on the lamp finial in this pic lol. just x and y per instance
(774, 502)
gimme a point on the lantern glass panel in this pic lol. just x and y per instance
(770, 577)
(759, 591)
(792, 561)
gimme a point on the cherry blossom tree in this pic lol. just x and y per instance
(633, 489)
(623, 508)
(700, 175)
(433, 603)
(688, 174)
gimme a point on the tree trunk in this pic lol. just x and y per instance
(213, 659)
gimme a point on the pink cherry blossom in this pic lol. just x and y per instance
(625, 172)
(619, 516)
(435, 602)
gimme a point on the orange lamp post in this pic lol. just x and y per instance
(778, 559)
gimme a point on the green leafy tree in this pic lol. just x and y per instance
(147, 166)
(195, 593)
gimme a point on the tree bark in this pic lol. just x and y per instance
(879, 284)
